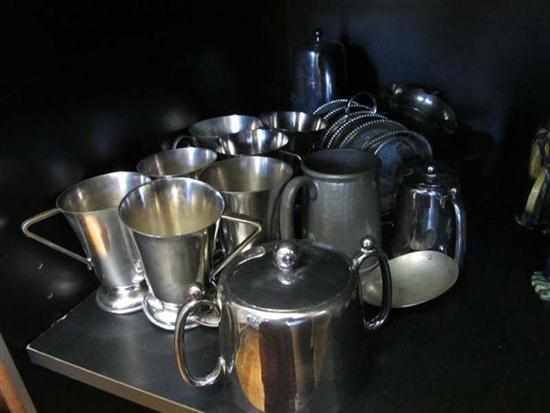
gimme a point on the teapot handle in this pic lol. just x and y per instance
(369, 249)
(179, 341)
(460, 216)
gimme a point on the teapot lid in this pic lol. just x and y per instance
(431, 174)
(288, 275)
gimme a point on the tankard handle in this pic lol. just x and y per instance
(460, 219)
(187, 310)
(288, 200)
(255, 234)
(369, 249)
(192, 141)
(41, 217)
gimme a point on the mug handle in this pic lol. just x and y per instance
(41, 217)
(255, 234)
(191, 141)
(209, 379)
(460, 220)
(288, 200)
(369, 249)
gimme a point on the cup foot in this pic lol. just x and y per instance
(122, 300)
(164, 314)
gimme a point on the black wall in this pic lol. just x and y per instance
(90, 87)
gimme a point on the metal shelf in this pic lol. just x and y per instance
(127, 356)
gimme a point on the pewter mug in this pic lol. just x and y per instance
(91, 208)
(429, 213)
(291, 329)
(341, 202)
(175, 222)
(251, 186)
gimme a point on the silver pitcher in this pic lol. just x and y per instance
(291, 329)
(429, 213)
(341, 204)
(251, 186)
(91, 208)
(177, 162)
(175, 222)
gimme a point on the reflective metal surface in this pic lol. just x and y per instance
(424, 110)
(174, 222)
(129, 357)
(304, 130)
(252, 142)
(208, 131)
(430, 214)
(417, 277)
(341, 204)
(251, 186)
(91, 208)
(177, 162)
(292, 354)
(319, 74)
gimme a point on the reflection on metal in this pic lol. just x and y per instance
(129, 357)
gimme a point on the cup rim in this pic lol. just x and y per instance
(235, 159)
(344, 176)
(141, 169)
(66, 191)
(160, 181)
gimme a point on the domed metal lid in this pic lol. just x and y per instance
(287, 276)
(431, 174)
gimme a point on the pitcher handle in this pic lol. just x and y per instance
(369, 249)
(460, 238)
(179, 340)
(291, 155)
(255, 234)
(41, 217)
(179, 139)
(288, 200)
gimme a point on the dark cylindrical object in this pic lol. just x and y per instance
(319, 74)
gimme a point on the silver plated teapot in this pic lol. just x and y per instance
(291, 328)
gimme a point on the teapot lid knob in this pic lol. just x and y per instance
(430, 169)
(368, 244)
(317, 35)
(286, 256)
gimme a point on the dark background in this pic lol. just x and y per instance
(89, 87)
